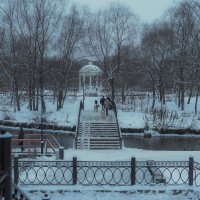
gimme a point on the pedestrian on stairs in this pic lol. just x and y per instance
(102, 102)
(107, 105)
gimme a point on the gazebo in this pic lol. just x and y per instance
(90, 77)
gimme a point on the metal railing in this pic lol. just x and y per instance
(107, 172)
(120, 135)
(18, 193)
(3, 176)
(78, 121)
(31, 146)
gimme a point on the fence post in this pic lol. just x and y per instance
(5, 161)
(191, 165)
(42, 147)
(16, 171)
(74, 165)
(133, 166)
(61, 153)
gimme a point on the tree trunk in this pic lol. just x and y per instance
(182, 92)
(59, 97)
(112, 88)
(196, 101)
(123, 93)
(190, 94)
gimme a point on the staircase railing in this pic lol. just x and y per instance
(32, 145)
(115, 111)
(18, 193)
(78, 121)
(3, 176)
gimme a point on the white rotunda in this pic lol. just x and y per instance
(90, 77)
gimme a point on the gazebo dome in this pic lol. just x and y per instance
(90, 68)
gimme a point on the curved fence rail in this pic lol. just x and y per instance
(196, 171)
(107, 172)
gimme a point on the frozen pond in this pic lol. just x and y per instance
(154, 143)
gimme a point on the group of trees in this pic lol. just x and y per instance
(170, 51)
(43, 41)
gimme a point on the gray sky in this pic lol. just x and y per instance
(147, 10)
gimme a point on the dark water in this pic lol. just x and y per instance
(66, 141)
(163, 143)
(154, 143)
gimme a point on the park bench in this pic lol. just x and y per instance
(155, 172)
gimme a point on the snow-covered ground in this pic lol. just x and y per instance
(113, 193)
(126, 153)
(127, 117)
(138, 192)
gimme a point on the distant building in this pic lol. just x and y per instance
(90, 77)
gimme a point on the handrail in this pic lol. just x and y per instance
(55, 140)
(115, 111)
(78, 121)
(18, 193)
(2, 178)
(49, 137)
(35, 141)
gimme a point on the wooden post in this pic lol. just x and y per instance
(16, 171)
(190, 175)
(74, 173)
(61, 153)
(5, 162)
(133, 171)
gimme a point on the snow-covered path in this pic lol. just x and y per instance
(89, 115)
(115, 193)
(92, 116)
(126, 153)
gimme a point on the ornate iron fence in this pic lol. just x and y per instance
(107, 172)
(196, 175)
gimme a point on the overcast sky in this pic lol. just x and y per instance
(147, 10)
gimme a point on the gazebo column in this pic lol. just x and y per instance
(79, 82)
(83, 81)
(90, 82)
(97, 84)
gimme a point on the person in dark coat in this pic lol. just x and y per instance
(21, 136)
(96, 105)
(102, 102)
(107, 105)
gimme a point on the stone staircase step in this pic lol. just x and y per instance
(101, 135)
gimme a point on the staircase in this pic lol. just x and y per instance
(98, 135)
(94, 130)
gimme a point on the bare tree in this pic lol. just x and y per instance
(10, 51)
(182, 23)
(111, 29)
(157, 40)
(37, 21)
(69, 40)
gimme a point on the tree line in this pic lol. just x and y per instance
(43, 44)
